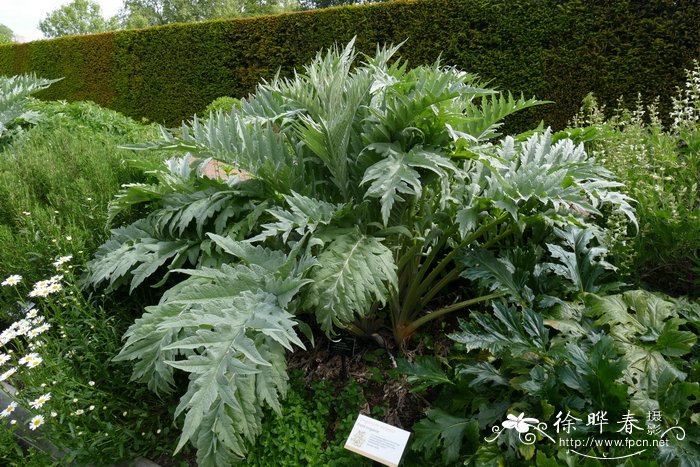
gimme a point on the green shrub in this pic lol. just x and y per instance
(224, 104)
(353, 191)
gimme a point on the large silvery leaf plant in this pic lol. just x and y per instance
(356, 188)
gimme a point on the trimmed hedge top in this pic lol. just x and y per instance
(557, 50)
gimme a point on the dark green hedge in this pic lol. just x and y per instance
(555, 49)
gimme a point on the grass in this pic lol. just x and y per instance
(56, 179)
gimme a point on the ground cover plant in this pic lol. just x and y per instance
(311, 411)
(356, 193)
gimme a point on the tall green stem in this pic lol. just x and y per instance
(413, 326)
(416, 292)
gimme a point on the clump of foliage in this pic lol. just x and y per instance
(584, 353)
(630, 353)
(661, 170)
(223, 104)
(56, 180)
(315, 421)
(14, 100)
(352, 191)
(13, 454)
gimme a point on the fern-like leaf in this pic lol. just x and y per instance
(646, 327)
(304, 215)
(579, 263)
(484, 119)
(497, 274)
(396, 173)
(354, 271)
(440, 429)
(508, 328)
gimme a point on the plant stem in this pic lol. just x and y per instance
(448, 278)
(416, 292)
(499, 237)
(412, 327)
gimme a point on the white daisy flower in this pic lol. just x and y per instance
(12, 280)
(62, 260)
(40, 401)
(7, 335)
(32, 313)
(8, 410)
(36, 422)
(31, 360)
(21, 327)
(8, 373)
(38, 320)
(54, 287)
(79, 412)
(4, 358)
(19, 324)
(35, 362)
(39, 292)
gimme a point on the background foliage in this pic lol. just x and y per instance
(6, 34)
(556, 50)
(56, 179)
(78, 17)
(660, 165)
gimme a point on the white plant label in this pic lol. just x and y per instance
(377, 441)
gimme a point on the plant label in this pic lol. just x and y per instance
(377, 441)
(344, 346)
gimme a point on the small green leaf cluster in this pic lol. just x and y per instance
(315, 421)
